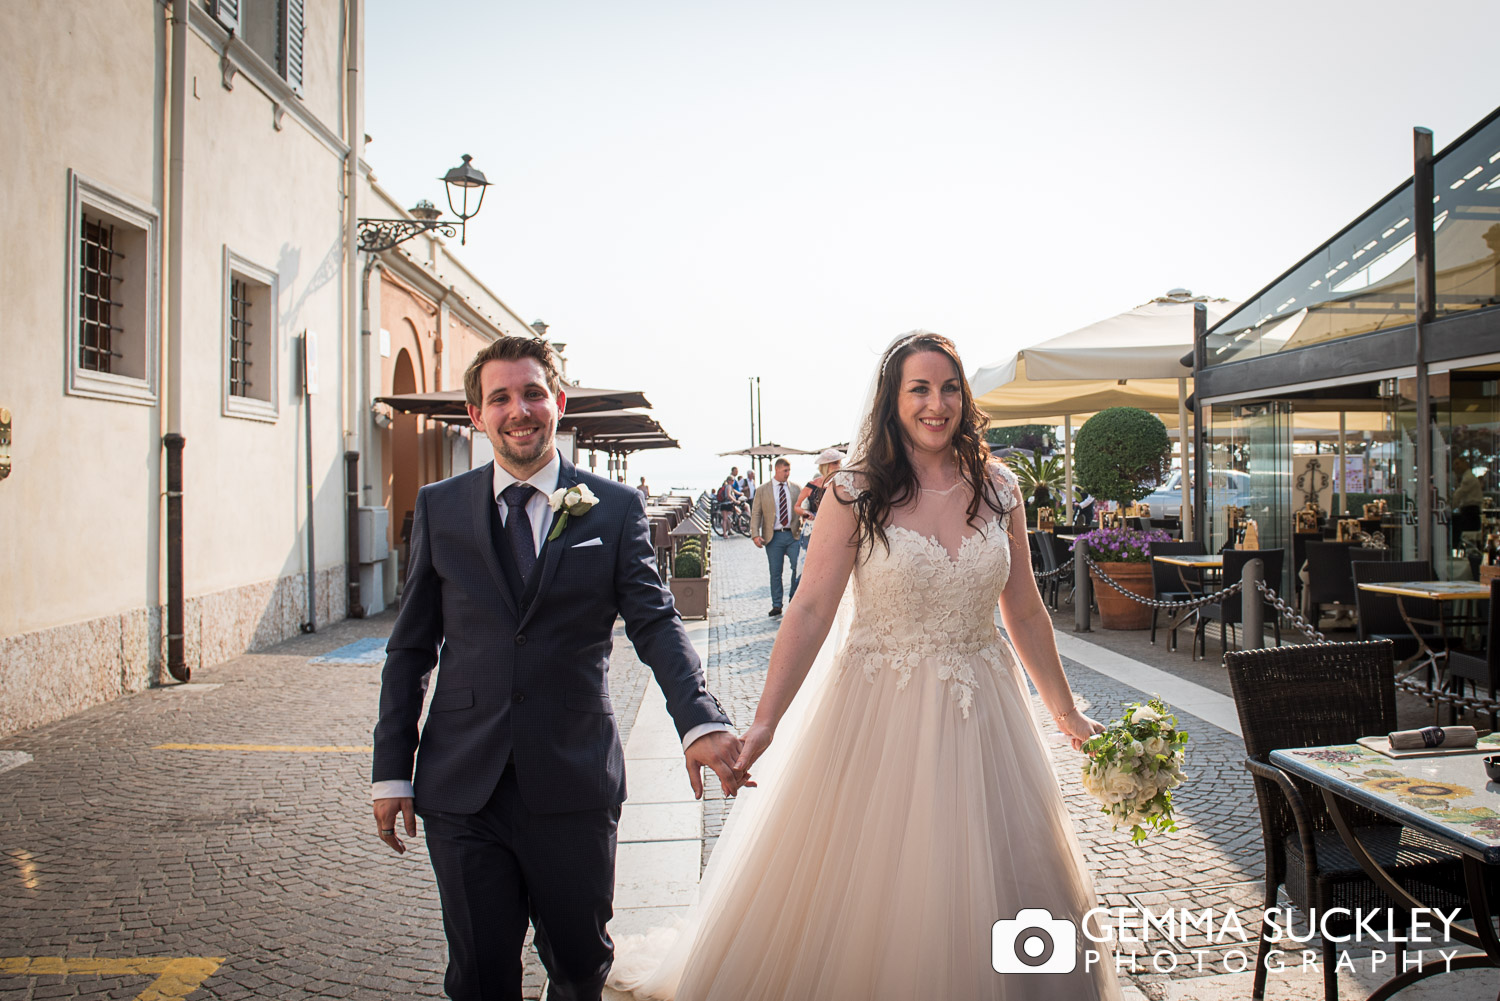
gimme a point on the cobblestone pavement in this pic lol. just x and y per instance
(113, 849)
(1212, 860)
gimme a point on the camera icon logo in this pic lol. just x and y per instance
(1034, 942)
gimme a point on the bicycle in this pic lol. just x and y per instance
(739, 520)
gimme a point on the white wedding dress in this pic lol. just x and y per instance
(911, 806)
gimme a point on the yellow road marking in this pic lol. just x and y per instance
(279, 748)
(176, 977)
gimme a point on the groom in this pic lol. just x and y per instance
(521, 774)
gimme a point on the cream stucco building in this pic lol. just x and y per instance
(182, 184)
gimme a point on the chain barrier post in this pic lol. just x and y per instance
(1252, 606)
(1081, 594)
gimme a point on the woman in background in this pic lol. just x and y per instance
(829, 461)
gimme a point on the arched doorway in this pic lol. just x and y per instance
(406, 459)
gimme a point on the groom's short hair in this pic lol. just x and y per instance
(510, 349)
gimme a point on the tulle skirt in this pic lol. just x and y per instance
(888, 835)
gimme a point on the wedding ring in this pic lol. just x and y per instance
(384, 833)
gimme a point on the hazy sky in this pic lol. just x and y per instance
(693, 193)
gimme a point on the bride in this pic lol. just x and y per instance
(908, 802)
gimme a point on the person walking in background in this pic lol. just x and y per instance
(643, 490)
(829, 461)
(775, 526)
(727, 498)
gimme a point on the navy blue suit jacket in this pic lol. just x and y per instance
(526, 681)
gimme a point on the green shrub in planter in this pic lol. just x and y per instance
(687, 565)
(1121, 454)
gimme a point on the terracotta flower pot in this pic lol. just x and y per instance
(1117, 611)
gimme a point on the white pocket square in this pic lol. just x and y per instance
(591, 542)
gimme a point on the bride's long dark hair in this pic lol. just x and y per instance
(885, 476)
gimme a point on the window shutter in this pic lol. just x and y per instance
(292, 16)
(226, 12)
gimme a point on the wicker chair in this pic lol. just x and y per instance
(1299, 556)
(1307, 696)
(1482, 672)
(1230, 611)
(1046, 562)
(1329, 581)
(1168, 582)
(1380, 614)
(1060, 556)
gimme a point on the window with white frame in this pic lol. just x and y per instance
(250, 339)
(112, 290)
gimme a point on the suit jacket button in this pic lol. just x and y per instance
(520, 639)
(518, 698)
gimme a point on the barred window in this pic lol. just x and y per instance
(239, 337)
(97, 288)
(250, 339)
(112, 295)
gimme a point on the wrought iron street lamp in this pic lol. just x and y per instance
(376, 235)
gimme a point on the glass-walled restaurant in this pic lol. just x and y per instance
(1309, 391)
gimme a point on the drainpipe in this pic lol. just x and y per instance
(173, 441)
(356, 350)
(1426, 281)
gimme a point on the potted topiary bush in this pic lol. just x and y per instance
(689, 583)
(1122, 454)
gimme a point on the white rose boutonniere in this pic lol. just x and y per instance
(569, 502)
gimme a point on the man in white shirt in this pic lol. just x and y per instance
(516, 575)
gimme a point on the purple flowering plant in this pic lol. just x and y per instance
(1120, 545)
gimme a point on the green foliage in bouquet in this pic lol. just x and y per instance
(1133, 766)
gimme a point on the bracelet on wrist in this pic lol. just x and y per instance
(1059, 717)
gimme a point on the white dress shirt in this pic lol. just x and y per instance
(539, 507)
(539, 510)
(780, 492)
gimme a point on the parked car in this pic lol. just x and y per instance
(1166, 500)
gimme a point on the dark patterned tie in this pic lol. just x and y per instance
(518, 527)
(786, 514)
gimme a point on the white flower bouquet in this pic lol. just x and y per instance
(1134, 765)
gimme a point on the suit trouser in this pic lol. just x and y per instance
(782, 545)
(505, 866)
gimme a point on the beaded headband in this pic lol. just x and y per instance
(890, 351)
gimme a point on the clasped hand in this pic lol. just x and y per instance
(722, 752)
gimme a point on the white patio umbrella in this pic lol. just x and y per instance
(1133, 359)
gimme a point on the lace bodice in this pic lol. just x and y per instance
(918, 607)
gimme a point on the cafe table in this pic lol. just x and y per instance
(1445, 593)
(1445, 796)
(1183, 562)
